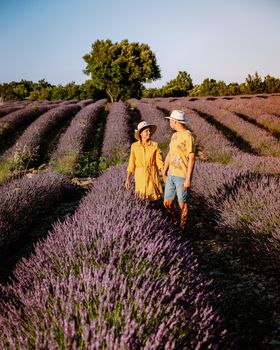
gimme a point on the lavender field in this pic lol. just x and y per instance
(86, 265)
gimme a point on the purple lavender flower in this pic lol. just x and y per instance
(29, 147)
(113, 277)
(116, 137)
(23, 201)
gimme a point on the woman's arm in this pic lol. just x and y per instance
(127, 181)
(130, 169)
(165, 167)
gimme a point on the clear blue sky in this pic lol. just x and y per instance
(219, 39)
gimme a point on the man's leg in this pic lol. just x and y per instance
(169, 195)
(184, 215)
(169, 205)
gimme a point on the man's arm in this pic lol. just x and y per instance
(191, 162)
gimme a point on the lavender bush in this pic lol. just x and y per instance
(245, 204)
(19, 118)
(24, 201)
(208, 178)
(116, 137)
(29, 147)
(4, 110)
(73, 142)
(253, 112)
(260, 140)
(270, 104)
(111, 277)
(12, 106)
(85, 103)
(265, 165)
(250, 203)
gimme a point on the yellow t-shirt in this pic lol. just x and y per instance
(181, 145)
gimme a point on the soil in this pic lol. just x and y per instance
(248, 280)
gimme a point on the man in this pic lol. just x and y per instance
(179, 163)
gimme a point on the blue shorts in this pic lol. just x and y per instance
(175, 186)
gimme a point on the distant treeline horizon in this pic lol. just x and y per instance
(180, 86)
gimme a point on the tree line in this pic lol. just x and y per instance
(119, 71)
(182, 85)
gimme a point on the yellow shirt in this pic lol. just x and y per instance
(145, 162)
(181, 145)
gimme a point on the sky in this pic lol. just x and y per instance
(218, 39)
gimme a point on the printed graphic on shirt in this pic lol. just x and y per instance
(177, 162)
(182, 146)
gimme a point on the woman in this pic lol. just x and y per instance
(145, 161)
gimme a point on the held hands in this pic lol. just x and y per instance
(164, 176)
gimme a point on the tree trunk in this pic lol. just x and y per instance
(110, 96)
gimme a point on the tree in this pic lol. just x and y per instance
(254, 84)
(180, 86)
(41, 91)
(233, 89)
(209, 87)
(271, 84)
(122, 68)
(88, 90)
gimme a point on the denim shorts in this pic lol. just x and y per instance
(175, 186)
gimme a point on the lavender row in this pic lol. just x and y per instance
(116, 137)
(250, 204)
(72, 143)
(4, 110)
(260, 140)
(24, 201)
(154, 116)
(29, 147)
(244, 203)
(85, 103)
(12, 106)
(14, 120)
(111, 277)
(253, 113)
(213, 146)
(270, 104)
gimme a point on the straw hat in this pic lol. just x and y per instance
(141, 126)
(178, 116)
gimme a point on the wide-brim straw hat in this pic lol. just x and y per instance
(178, 116)
(143, 125)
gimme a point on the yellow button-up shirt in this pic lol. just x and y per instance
(145, 162)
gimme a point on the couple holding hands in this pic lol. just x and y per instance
(146, 163)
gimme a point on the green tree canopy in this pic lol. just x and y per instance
(180, 86)
(122, 68)
(271, 84)
(254, 84)
(209, 87)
